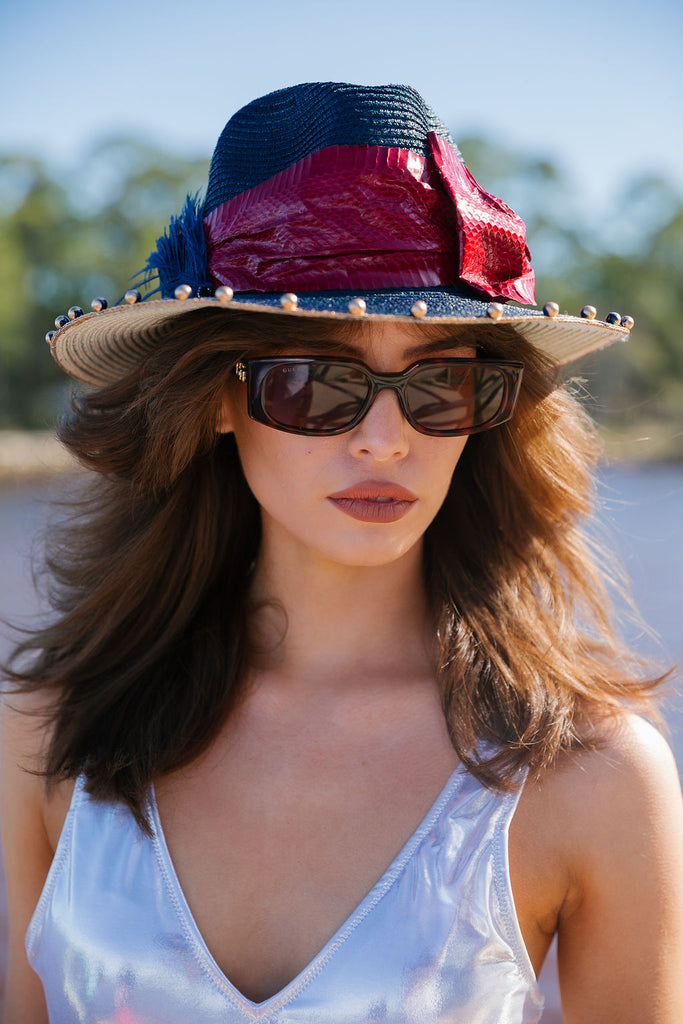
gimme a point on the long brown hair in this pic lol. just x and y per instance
(148, 651)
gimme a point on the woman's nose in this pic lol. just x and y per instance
(384, 433)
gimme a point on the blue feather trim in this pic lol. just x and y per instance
(180, 256)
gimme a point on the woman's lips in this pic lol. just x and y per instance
(374, 501)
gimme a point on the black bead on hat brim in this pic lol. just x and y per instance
(102, 347)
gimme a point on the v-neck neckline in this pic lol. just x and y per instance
(329, 950)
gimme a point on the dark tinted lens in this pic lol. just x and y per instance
(455, 397)
(316, 397)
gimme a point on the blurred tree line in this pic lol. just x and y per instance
(66, 237)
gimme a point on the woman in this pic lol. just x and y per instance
(332, 724)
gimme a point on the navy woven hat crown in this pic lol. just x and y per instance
(273, 132)
(333, 200)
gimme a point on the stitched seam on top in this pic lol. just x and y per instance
(311, 971)
(63, 850)
(200, 950)
(383, 887)
(504, 898)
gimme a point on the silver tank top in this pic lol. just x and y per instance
(436, 941)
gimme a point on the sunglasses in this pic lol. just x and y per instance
(321, 397)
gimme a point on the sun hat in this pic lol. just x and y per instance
(333, 200)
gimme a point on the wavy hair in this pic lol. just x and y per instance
(148, 650)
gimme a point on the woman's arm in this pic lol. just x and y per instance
(27, 851)
(620, 941)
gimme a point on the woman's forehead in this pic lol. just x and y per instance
(398, 337)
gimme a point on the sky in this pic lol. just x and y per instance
(594, 86)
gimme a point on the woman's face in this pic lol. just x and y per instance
(362, 498)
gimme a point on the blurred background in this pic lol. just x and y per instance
(568, 112)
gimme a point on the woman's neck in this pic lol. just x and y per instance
(322, 623)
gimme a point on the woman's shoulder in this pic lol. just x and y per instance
(592, 793)
(610, 821)
(601, 812)
(623, 758)
(597, 843)
(25, 732)
(27, 846)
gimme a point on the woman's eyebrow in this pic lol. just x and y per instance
(339, 343)
(438, 345)
(327, 343)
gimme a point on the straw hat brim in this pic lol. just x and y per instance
(101, 348)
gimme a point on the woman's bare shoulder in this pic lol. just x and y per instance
(590, 797)
(621, 791)
(602, 834)
(27, 847)
(627, 760)
(627, 742)
(25, 728)
(25, 731)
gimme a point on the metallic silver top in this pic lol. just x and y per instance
(435, 941)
